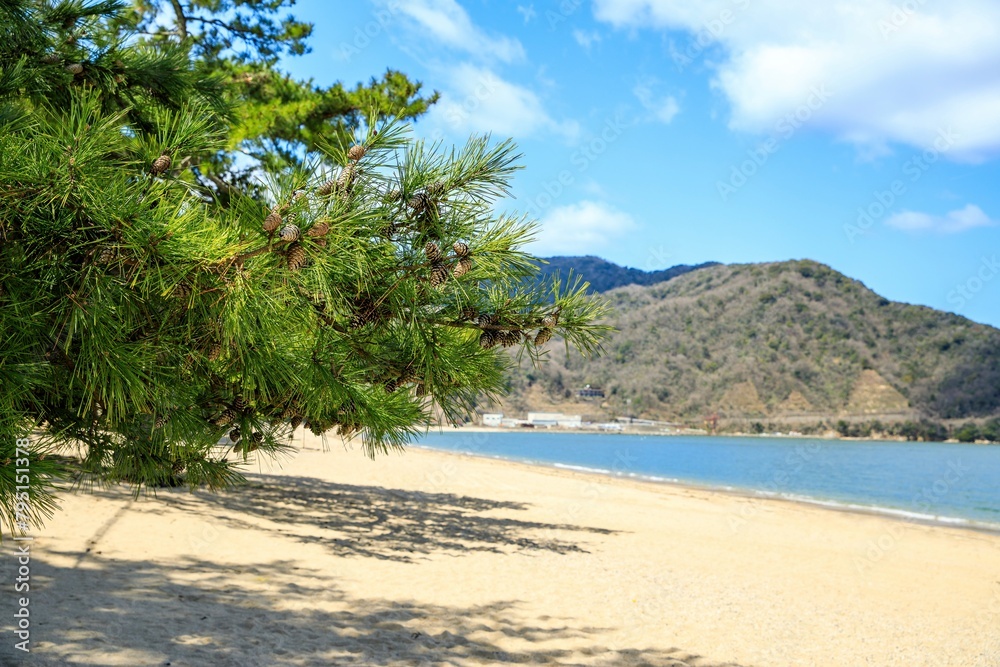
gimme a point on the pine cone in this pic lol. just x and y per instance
(356, 152)
(360, 319)
(214, 352)
(436, 189)
(50, 58)
(255, 439)
(394, 195)
(235, 435)
(182, 290)
(486, 320)
(296, 257)
(433, 251)
(418, 203)
(74, 68)
(289, 233)
(509, 338)
(160, 165)
(106, 256)
(161, 421)
(239, 404)
(365, 312)
(388, 230)
(550, 321)
(461, 249)
(319, 229)
(346, 179)
(272, 222)
(543, 337)
(326, 188)
(488, 339)
(469, 314)
(298, 194)
(391, 385)
(463, 267)
(227, 417)
(364, 317)
(439, 275)
(295, 422)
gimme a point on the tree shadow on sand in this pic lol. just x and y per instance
(376, 522)
(136, 613)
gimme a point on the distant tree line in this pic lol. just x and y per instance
(924, 429)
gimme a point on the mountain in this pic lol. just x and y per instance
(790, 342)
(604, 275)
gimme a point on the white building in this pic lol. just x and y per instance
(492, 418)
(555, 419)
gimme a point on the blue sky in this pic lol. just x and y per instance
(864, 134)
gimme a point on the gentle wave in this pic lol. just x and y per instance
(566, 466)
(890, 511)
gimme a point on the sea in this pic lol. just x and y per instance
(936, 482)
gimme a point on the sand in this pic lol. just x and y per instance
(429, 558)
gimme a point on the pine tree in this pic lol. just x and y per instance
(276, 117)
(143, 322)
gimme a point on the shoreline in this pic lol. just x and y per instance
(694, 433)
(653, 482)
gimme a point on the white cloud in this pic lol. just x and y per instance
(894, 74)
(449, 24)
(579, 229)
(477, 100)
(586, 39)
(527, 12)
(662, 108)
(958, 220)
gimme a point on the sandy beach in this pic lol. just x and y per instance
(428, 558)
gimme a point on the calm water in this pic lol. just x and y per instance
(946, 482)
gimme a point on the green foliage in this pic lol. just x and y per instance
(239, 30)
(604, 275)
(146, 318)
(280, 118)
(991, 430)
(51, 52)
(967, 433)
(277, 119)
(925, 430)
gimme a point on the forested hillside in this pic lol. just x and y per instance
(604, 275)
(790, 341)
